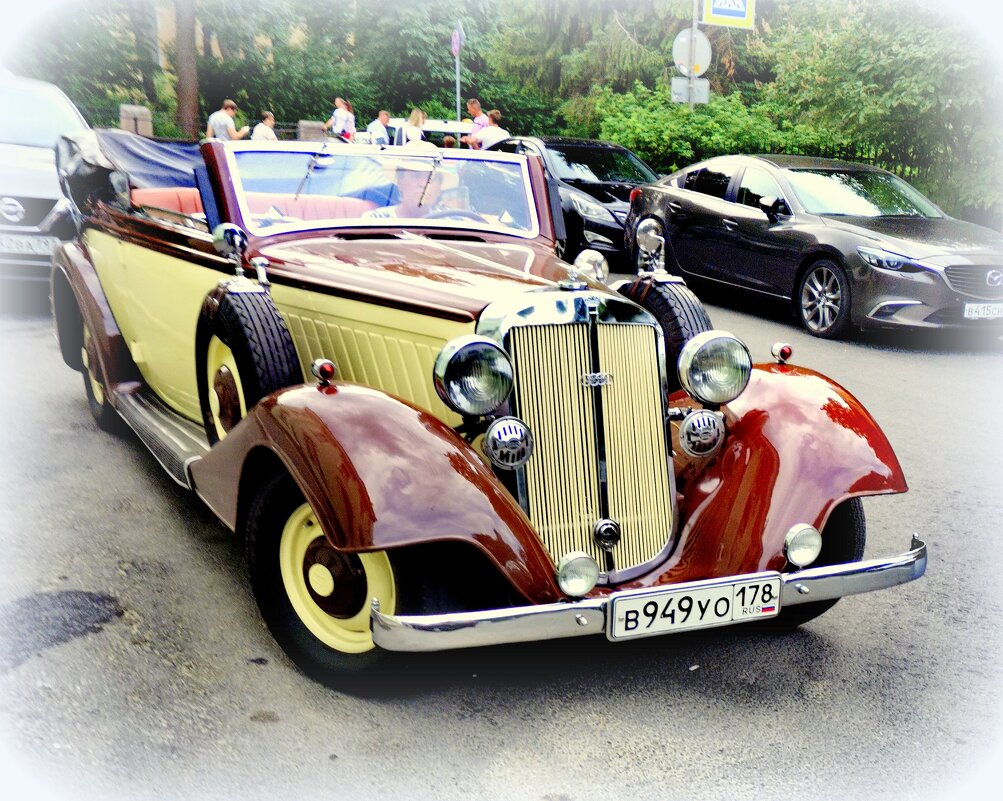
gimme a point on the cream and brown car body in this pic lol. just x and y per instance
(386, 467)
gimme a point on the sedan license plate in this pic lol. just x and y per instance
(30, 245)
(983, 311)
(696, 605)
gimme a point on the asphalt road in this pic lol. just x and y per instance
(133, 663)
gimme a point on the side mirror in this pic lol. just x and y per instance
(773, 207)
(230, 241)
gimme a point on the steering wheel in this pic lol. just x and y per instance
(459, 214)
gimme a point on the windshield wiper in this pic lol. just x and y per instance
(309, 169)
(431, 175)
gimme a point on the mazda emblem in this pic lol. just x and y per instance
(11, 210)
(994, 278)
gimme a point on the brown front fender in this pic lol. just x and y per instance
(77, 296)
(379, 474)
(798, 445)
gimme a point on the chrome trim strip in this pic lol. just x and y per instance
(588, 616)
(884, 303)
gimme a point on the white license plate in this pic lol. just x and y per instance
(31, 245)
(696, 605)
(983, 311)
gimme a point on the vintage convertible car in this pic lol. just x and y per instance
(494, 446)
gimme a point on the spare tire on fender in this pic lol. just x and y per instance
(243, 353)
(679, 312)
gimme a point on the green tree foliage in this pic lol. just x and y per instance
(858, 79)
(90, 54)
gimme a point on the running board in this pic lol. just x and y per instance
(174, 441)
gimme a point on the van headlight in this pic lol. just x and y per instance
(715, 367)
(473, 375)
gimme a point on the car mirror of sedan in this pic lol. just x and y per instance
(774, 207)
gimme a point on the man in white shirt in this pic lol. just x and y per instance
(264, 129)
(377, 129)
(491, 134)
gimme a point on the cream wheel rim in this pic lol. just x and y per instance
(90, 364)
(309, 582)
(227, 405)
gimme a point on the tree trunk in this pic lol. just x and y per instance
(143, 17)
(187, 69)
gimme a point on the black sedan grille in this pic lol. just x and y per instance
(33, 209)
(979, 280)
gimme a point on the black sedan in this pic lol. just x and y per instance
(595, 180)
(847, 244)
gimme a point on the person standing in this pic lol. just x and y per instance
(377, 129)
(490, 135)
(411, 130)
(342, 120)
(221, 125)
(479, 118)
(264, 130)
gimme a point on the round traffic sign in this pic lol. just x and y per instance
(701, 52)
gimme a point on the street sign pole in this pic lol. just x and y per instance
(456, 45)
(693, 45)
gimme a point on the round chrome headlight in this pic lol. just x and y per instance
(473, 375)
(714, 367)
(802, 545)
(577, 573)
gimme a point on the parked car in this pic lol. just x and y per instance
(595, 180)
(34, 216)
(432, 130)
(429, 431)
(847, 244)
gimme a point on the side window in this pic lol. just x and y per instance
(714, 180)
(509, 146)
(689, 180)
(757, 184)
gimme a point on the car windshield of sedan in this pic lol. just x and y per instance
(35, 115)
(858, 193)
(599, 165)
(283, 190)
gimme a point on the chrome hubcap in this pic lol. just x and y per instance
(821, 299)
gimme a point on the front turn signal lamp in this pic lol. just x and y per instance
(577, 574)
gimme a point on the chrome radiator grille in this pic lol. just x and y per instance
(575, 426)
(974, 279)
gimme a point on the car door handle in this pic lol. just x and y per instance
(673, 206)
(731, 225)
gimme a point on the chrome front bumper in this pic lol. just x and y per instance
(588, 616)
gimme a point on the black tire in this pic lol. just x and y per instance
(822, 302)
(96, 387)
(249, 352)
(279, 525)
(680, 314)
(843, 540)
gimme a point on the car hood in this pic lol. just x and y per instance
(923, 238)
(455, 279)
(614, 195)
(28, 171)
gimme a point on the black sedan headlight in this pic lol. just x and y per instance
(886, 260)
(590, 209)
(715, 367)
(473, 375)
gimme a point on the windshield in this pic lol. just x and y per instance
(36, 115)
(599, 165)
(858, 193)
(324, 188)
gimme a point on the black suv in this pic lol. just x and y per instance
(595, 179)
(34, 216)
